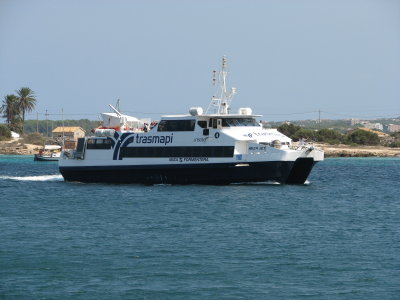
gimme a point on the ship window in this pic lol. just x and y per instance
(202, 124)
(101, 141)
(99, 144)
(202, 151)
(176, 125)
(238, 122)
(214, 123)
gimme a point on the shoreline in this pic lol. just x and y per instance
(15, 148)
(330, 150)
(358, 151)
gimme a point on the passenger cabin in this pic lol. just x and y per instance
(169, 123)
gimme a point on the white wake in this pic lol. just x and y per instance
(269, 182)
(34, 178)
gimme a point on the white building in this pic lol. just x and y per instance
(14, 135)
(393, 128)
(369, 125)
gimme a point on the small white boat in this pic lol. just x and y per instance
(48, 153)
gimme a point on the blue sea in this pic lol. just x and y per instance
(336, 237)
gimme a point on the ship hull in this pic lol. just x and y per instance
(38, 157)
(290, 172)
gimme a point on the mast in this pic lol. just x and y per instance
(221, 103)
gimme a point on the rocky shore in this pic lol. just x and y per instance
(17, 148)
(358, 151)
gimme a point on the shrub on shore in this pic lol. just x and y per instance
(362, 137)
(34, 138)
(330, 136)
(395, 144)
(324, 135)
(5, 133)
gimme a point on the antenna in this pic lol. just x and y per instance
(117, 105)
(214, 78)
(221, 102)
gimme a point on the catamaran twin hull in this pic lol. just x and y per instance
(204, 149)
(184, 172)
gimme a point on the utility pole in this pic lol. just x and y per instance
(47, 124)
(37, 122)
(319, 116)
(62, 117)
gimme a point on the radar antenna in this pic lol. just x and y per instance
(222, 102)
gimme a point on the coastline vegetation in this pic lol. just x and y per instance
(45, 127)
(5, 133)
(334, 137)
(14, 108)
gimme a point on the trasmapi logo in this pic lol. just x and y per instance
(128, 138)
(153, 139)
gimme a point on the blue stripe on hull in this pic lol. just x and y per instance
(280, 171)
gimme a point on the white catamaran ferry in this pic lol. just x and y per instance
(217, 147)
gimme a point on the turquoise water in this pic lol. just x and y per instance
(337, 237)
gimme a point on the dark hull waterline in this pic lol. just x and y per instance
(290, 172)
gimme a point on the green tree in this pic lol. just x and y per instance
(308, 134)
(10, 112)
(362, 137)
(26, 102)
(5, 133)
(9, 108)
(288, 129)
(329, 136)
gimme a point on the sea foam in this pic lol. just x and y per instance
(34, 178)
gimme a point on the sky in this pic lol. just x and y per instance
(288, 59)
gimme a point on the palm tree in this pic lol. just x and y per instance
(26, 102)
(9, 109)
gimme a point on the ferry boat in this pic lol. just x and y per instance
(215, 147)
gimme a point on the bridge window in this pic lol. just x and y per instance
(202, 124)
(176, 125)
(239, 122)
